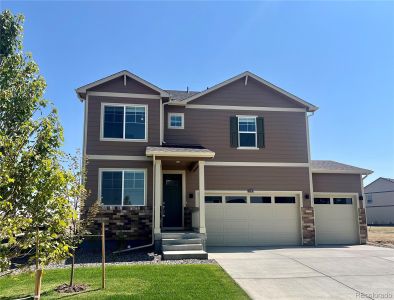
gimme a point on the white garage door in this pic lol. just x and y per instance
(258, 220)
(336, 220)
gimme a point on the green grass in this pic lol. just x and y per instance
(132, 282)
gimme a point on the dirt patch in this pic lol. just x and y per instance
(381, 236)
(65, 288)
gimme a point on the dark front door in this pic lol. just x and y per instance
(172, 200)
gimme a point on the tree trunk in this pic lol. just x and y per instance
(72, 268)
(37, 246)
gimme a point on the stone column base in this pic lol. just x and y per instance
(362, 220)
(308, 226)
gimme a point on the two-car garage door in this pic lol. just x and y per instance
(273, 220)
(252, 220)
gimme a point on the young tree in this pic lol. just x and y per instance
(77, 196)
(34, 208)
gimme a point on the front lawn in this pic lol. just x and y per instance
(125, 282)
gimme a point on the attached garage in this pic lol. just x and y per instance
(239, 219)
(336, 219)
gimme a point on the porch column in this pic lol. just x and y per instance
(157, 229)
(201, 188)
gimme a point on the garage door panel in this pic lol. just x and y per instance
(234, 211)
(336, 223)
(261, 211)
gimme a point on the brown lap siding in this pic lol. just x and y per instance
(343, 183)
(92, 180)
(285, 134)
(97, 147)
(337, 183)
(257, 178)
(128, 222)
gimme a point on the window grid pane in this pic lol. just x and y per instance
(343, 201)
(134, 188)
(113, 121)
(285, 200)
(213, 199)
(135, 123)
(321, 200)
(235, 199)
(111, 188)
(260, 199)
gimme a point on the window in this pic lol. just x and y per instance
(175, 121)
(321, 200)
(260, 199)
(127, 122)
(369, 198)
(285, 200)
(247, 132)
(343, 201)
(123, 187)
(235, 199)
(213, 199)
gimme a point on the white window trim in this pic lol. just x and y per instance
(331, 196)
(101, 170)
(271, 194)
(182, 115)
(124, 105)
(239, 133)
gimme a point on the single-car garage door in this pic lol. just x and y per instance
(252, 220)
(336, 219)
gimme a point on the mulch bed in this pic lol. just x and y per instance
(65, 288)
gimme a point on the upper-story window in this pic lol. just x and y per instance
(175, 120)
(247, 132)
(124, 122)
(369, 198)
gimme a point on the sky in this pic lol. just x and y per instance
(337, 55)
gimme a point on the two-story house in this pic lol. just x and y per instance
(226, 166)
(380, 201)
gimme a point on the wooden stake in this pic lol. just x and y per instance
(37, 287)
(103, 255)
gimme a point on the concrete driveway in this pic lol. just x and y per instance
(348, 272)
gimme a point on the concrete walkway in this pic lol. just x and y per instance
(348, 272)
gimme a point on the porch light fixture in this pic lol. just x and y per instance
(306, 196)
(178, 162)
(360, 197)
(250, 190)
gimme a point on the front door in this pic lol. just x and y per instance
(172, 200)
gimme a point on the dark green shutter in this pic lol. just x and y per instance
(260, 132)
(234, 132)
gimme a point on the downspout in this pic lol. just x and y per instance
(153, 219)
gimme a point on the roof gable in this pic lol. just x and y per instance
(116, 80)
(246, 76)
(380, 184)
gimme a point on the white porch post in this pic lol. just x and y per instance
(201, 188)
(158, 190)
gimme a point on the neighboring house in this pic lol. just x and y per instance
(231, 163)
(380, 201)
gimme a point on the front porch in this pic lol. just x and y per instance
(179, 207)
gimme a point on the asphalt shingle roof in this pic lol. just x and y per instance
(180, 95)
(333, 166)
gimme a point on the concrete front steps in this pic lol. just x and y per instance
(182, 245)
